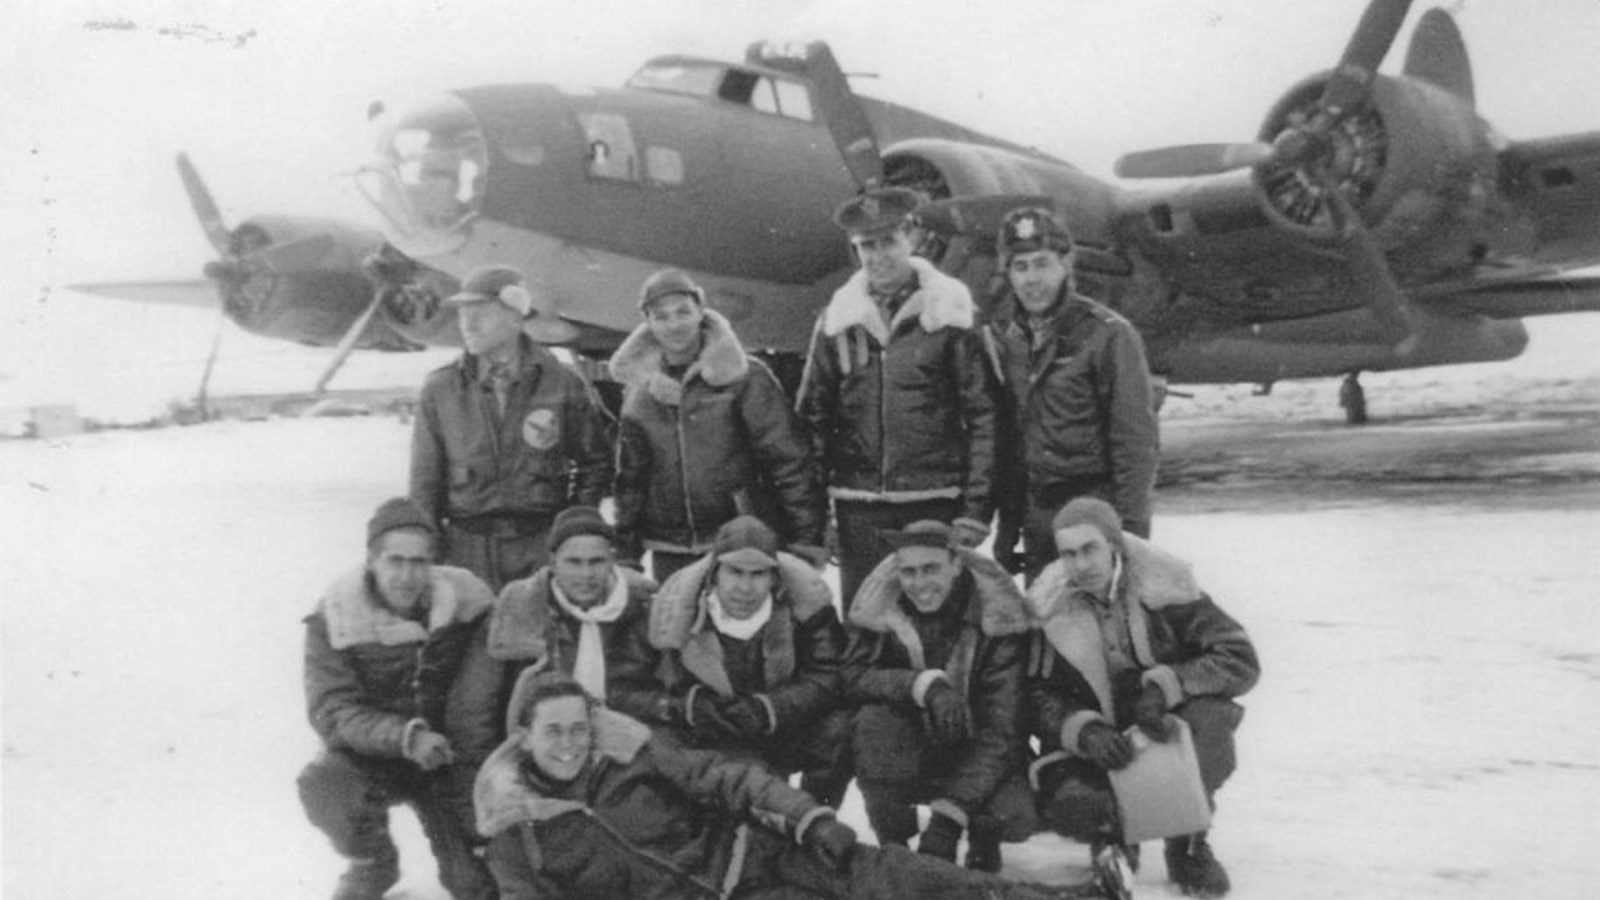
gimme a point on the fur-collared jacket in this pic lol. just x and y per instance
(529, 629)
(903, 410)
(887, 664)
(801, 647)
(550, 450)
(372, 677)
(1181, 641)
(1080, 405)
(692, 455)
(643, 820)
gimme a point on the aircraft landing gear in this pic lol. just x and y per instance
(1354, 400)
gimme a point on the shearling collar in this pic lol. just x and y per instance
(721, 362)
(939, 302)
(519, 627)
(355, 616)
(501, 797)
(1000, 603)
(677, 612)
(1152, 577)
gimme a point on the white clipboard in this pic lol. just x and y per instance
(1159, 794)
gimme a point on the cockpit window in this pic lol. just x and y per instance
(697, 81)
(755, 89)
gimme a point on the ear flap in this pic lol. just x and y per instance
(517, 297)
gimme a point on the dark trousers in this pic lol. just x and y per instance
(776, 869)
(861, 547)
(1075, 796)
(497, 550)
(898, 768)
(348, 797)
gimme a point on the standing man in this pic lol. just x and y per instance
(1125, 638)
(752, 657)
(897, 390)
(706, 434)
(937, 666)
(506, 437)
(1079, 387)
(390, 649)
(583, 615)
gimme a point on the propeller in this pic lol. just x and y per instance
(1345, 92)
(244, 251)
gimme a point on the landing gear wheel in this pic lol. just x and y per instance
(1354, 400)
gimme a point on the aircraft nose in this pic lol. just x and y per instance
(429, 171)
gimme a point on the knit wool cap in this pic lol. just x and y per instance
(399, 512)
(1090, 511)
(669, 283)
(575, 521)
(746, 541)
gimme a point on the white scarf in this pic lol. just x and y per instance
(738, 629)
(589, 670)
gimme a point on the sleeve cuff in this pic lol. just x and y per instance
(948, 808)
(810, 818)
(688, 705)
(1073, 726)
(924, 681)
(409, 733)
(1167, 680)
(772, 713)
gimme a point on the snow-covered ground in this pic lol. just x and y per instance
(1428, 724)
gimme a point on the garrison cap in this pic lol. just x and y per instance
(502, 284)
(1031, 228)
(747, 541)
(876, 211)
(667, 283)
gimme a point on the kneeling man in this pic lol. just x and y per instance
(1125, 637)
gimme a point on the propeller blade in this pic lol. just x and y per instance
(1438, 55)
(1370, 270)
(347, 343)
(295, 256)
(1370, 43)
(1192, 160)
(205, 208)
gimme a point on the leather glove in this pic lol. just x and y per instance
(939, 838)
(833, 841)
(745, 714)
(1150, 713)
(707, 721)
(947, 710)
(1105, 746)
(429, 750)
(1005, 547)
(817, 556)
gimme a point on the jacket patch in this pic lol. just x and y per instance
(541, 429)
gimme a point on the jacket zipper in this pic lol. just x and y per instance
(683, 472)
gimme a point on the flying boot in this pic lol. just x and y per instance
(1194, 868)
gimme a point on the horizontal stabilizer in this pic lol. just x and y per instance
(201, 294)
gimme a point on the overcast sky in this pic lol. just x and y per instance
(269, 97)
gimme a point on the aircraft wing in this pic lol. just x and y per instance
(199, 293)
(1557, 180)
(1514, 297)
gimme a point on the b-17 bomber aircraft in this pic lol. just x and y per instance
(1377, 222)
